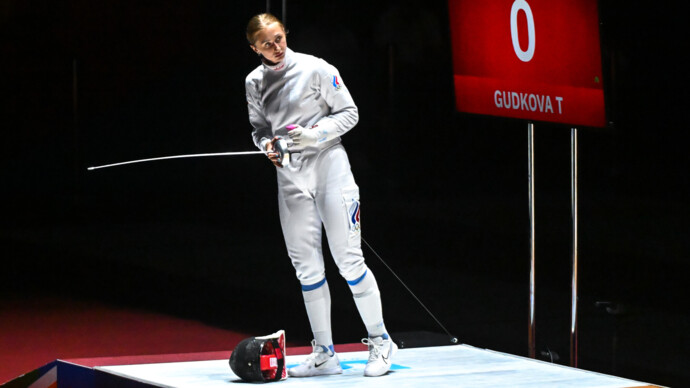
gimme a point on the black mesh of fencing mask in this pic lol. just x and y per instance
(260, 359)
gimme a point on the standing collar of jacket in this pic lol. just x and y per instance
(282, 65)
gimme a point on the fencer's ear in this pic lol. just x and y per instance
(254, 49)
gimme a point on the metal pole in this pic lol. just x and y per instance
(76, 135)
(285, 12)
(530, 150)
(573, 195)
(268, 6)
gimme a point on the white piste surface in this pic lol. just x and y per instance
(442, 366)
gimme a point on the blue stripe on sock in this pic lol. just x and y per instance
(314, 286)
(359, 279)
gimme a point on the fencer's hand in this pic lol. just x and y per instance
(273, 156)
(303, 137)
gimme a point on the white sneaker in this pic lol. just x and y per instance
(321, 361)
(381, 351)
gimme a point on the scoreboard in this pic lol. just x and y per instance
(529, 59)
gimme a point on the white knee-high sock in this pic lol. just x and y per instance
(317, 300)
(367, 297)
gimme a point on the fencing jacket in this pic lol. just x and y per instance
(303, 90)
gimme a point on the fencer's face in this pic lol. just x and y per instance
(271, 43)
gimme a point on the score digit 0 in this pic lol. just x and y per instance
(518, 5)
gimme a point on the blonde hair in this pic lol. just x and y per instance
(258, 23)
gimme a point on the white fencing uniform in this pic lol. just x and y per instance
(317, 187)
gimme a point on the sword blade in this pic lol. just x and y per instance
(177, 157)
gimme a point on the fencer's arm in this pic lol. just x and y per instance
(344, 113)
(324, 130)
(261, 133)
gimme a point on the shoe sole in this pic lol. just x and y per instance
(318, 372)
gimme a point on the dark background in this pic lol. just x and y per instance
(445, 195)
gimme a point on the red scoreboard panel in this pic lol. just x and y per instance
(530, 59)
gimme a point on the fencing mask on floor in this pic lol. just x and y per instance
(260, 359)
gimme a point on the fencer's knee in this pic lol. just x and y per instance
(352, 268)
(310, 272)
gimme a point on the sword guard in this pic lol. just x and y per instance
(281, 147)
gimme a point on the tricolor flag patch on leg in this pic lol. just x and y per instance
(354, 216)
